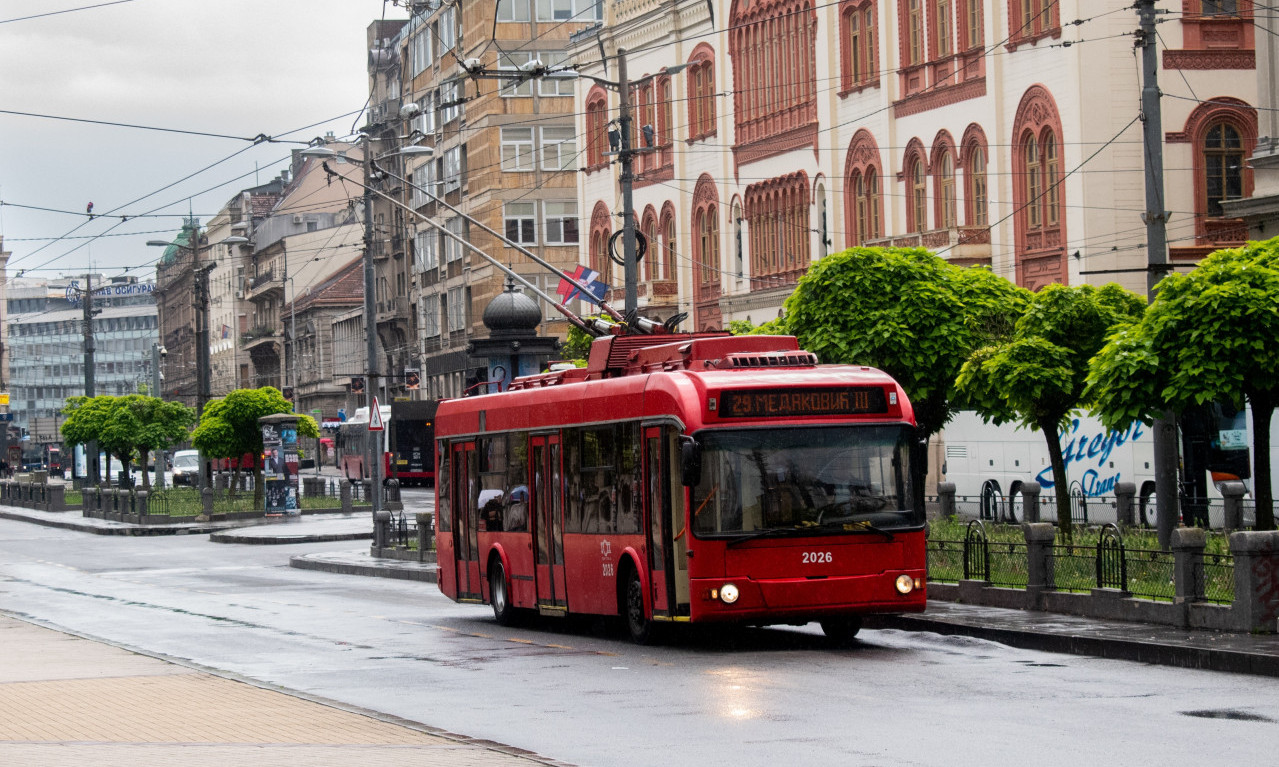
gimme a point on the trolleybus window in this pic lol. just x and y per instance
(815, 480)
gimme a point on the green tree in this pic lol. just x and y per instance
(229, 427)
(1209, 335)
(86, 421)
(1039, 376)
(907, 312)
(152, 424)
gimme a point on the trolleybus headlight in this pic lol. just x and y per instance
(905, 584)
(728, 593)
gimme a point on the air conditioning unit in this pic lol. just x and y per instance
(239, 294)
(298, 218)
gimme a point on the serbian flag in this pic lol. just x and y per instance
(588, 277)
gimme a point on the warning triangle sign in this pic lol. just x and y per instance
(375, 417)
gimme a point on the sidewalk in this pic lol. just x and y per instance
(66, 701)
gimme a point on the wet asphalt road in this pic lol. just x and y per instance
(579, 693)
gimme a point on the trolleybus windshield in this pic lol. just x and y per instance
(804, 480)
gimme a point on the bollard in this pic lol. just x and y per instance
(57, 498)
(345, 489)
(1125, 493)
(141, 505)
(1232, 493)
(1256, 603)
(425, 535)
(1030, 494)
(381, 529)
(1188, 563)
(946, 496)
(1039, 556)
(206, 503)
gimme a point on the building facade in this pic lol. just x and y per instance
(44, 336)
(1002, 134)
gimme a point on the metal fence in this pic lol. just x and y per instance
(1076, 567)
(1094, 510)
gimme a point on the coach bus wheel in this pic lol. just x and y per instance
(500, 595)
(841, 631)
(639, 627)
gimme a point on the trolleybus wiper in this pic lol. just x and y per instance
(778, 531)
(863, 525)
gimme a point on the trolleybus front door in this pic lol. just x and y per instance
(657, 520)
(548, 521)
(465, 499)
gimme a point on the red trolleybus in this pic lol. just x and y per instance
(698, 478)
(412, 442)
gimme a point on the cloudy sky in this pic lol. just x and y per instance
(290, 69)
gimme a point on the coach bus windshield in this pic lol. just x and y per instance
(818, 480)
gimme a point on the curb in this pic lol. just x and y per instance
(325, 563)
(1233, 661)
(269, 540)
(138, 530)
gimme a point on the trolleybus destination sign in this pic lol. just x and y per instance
(785, 403)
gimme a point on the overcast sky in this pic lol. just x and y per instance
(234, 67)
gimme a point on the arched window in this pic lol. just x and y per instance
(706, 254)
(976, 196)
(777, 212)
(701, 93)
(596, 127)
(665, 257)
(946, 198)
(648, 226)
(859, 64)
(601, 229)
(1223, 173)
(917, 193)
(862, 211)
(1038, 194)
(773, 45)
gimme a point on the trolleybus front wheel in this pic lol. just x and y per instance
(641, 629)
(842, 631)
(500, 594)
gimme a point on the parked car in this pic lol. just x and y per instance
(186, 467)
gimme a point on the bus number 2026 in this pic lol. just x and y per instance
(817, 557)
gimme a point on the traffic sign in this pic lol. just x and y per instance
(375, 416)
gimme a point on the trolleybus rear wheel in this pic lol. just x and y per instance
(639, 627)
(842, 631)
(500, 595)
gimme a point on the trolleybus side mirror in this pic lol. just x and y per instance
(691, 461)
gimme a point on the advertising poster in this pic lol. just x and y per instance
(280, 468)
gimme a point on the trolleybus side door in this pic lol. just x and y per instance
(657, 521)
(546, 475)
(465, 499)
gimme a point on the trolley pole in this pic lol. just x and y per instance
(1156, 218)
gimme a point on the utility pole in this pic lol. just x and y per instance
(1165, 432)
(90, 390)
(631, 268)
(370, 333)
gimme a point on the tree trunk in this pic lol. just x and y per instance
(1053, 438)
(258, 489)
(146, 475)
(1263, 408)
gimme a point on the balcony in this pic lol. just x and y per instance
(263, 283)
(392, 310)
(962, 245)
(258, 338)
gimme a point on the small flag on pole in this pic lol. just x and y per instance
(588, 277)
